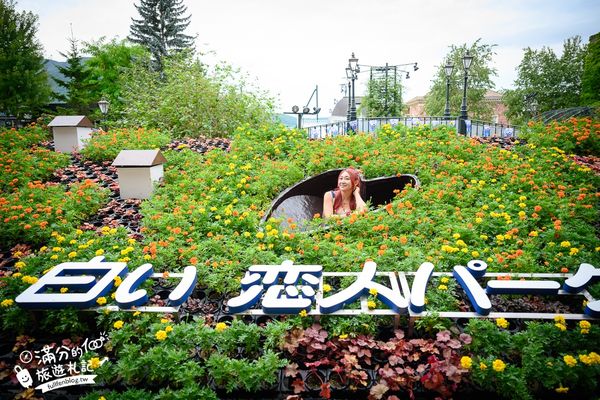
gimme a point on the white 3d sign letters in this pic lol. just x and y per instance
(291, 289)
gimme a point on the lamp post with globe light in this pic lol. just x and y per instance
(462, 128)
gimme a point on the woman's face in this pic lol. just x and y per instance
(344, 181)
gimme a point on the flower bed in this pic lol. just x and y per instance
(526, 208)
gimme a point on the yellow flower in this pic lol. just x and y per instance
(220, 326)
(343, 336)
(373, 292)
(442, 287)
(559, 319)
(570, 360)
(466, 362)
(595, 357)
(482, 366)
(565, 244)
(135, 314)
(584, 358)
(118, 280)
(54, 257)
(561, 327)
(72, 254)
(94, 363)
(168, 328)
(371, 304)
(161, 335)
(502, 323)
(444, 279)
(573, 251)
(64, 290)
(561, 389)
(475, 253)
(19, 265)
(99, 252)
(29, 279)
(585, 324)
(164, 321)
(498, 365)
(101, 301)
(456, 236)
(118, 324)
(7, 302)
(303, 313)
(326, 288)
(260, 235)
(43, 248)
(101, 398)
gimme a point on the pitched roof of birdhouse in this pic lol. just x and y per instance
(71, 120)
(139, 158)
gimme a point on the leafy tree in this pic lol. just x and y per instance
(80, 90)
(554, 81)
(187, 100)
(590, 81)
(107, 65)
(479, 82)
(160, 28)
(24, 84)
(384, 93)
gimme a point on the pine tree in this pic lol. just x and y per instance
(24, 84)
(160, 28)
(77, 82)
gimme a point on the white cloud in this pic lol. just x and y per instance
(291, 46)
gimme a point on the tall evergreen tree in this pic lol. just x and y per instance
(80, 90)
(24, 87)
(160, 28)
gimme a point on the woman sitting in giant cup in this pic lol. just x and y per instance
(345, 198)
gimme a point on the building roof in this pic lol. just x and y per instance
(71, 120)
(341, 108)
(139, 158)
(415, 100)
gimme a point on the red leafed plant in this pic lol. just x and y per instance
(400, 364)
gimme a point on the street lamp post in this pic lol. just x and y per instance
(352, 71)
(448, 69)
(467, 60)
(103, 105)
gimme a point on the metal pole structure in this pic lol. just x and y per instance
(467, 59)
(353, 105)
(349, 103)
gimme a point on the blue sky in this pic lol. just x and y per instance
(288, 47)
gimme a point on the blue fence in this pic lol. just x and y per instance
(475, 128)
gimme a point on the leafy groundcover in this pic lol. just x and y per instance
(531, 207)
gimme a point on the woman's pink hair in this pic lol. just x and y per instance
(355, 179)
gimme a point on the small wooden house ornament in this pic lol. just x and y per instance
(70, 132)
(138, 171)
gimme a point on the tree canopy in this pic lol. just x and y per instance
(160, 28)
(554, 82)
(479, 82)
(384, 92)
(187, 100)
(590, 81)
(23, 79)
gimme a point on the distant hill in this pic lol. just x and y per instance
(52, 70)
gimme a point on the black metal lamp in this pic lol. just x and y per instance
(103, 105)
(467, 60)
